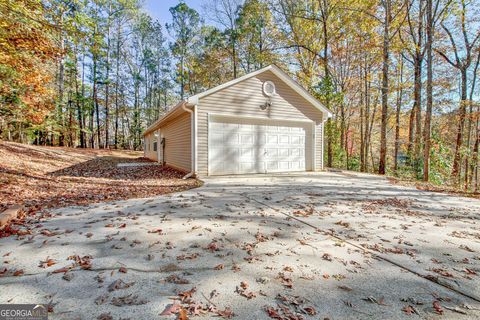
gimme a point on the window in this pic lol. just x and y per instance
(155, 146)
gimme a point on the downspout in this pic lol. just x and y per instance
(193, 139)
(159, 144)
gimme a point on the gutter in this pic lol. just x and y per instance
(193, 129)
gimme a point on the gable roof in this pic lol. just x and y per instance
(279, 73)
(193, 100)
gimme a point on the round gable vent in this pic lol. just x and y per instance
(269, 88)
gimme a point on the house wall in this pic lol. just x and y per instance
(148, 147)
(178, 137)
(178, 142)
(244, 99)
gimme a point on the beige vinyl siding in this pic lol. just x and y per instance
(148, 147)
(244, 99)
(178, 142)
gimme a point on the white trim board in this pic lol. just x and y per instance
(229, 115)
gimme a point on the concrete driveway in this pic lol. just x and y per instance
(296, 246)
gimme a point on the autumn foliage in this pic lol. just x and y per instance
(27, 57)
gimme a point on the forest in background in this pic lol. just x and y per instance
(400, 76)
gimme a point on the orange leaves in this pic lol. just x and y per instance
(84, 263)
(19, 272)
(63, 270)
(47, 263)
(304, 213)
(273, 313)
(188, 256)
(188, 307)
(185, 296)
(242, 290)
(182, 315)
(261, 237)
(28, 54)
(290, 308)
(213, 246)
(285, 280)
(77, 177)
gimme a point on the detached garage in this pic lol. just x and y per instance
(259, 123)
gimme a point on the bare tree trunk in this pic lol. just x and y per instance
(397, 116)
(470, 120)
(429, 89)
(95, 105)
(61, 80)
(386, 51)
(324, 13)
(474, 164)
(418, 112)
(411, 135)
(79, 108)
(107, 85)
(461, 124)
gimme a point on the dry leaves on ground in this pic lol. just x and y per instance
(39, 177)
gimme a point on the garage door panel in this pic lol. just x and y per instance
(272, 166)
(247, 138)
(283, 152)
(283, 165)
(283, 139)
(247, 154)
(231, 138)
(250, 167)
(272, 139)
(256, 146)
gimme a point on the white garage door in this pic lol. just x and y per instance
(257, 146)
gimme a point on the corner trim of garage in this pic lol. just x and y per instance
(314, 146)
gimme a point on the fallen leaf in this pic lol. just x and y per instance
(227, 313)
(119, 284)
(437, 307)
(129, 300)
(182, 315)
(170, 309)
(409, 310)
(47, 263)
(19, 272)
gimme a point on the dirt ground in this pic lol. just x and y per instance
(49, 177)
(299, 246)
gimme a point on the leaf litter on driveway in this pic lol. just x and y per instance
(245, 261)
